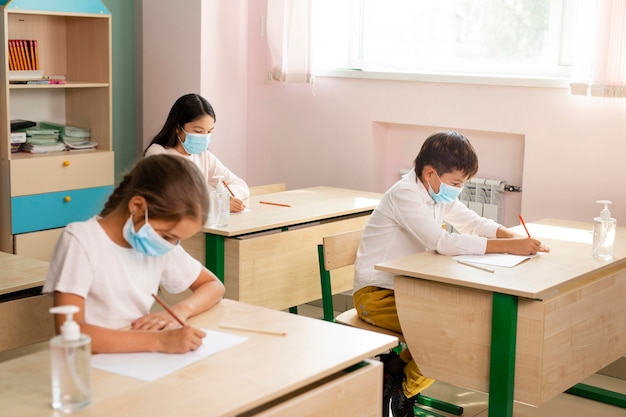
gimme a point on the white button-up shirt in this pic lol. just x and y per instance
(407, 221)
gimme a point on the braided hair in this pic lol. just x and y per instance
(173, 188)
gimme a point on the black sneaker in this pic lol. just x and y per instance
(393, 374)
(401, 406)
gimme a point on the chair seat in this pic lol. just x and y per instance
(351, 318)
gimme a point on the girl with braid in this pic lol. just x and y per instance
(110, 265)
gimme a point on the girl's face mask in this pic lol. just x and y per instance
(146, 240)
(195, 143)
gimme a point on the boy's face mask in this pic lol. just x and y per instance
(447, 193)
(146, 240)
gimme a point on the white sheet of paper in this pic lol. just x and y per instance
(150, 366)
(495, 259)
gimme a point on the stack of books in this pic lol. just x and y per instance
(77, 138)
(42, 141)
(18, 136)
(17, 139)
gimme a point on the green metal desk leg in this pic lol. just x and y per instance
(214, 254)
(598, 394)
(502, 365)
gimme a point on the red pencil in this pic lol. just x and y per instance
(168, 310)
(524, 224)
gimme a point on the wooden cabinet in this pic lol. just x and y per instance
(43, 192)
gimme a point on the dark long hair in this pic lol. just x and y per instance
(186, 109)
(447, 152)
(173, 187)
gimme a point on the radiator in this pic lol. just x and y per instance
(484, 196)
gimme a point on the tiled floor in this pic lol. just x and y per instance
(475, 404)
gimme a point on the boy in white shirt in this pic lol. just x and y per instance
(409, 219)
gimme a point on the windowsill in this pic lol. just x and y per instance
(449, 78)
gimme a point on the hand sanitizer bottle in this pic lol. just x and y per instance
(219, 205)
(70, 355)
(603, 233)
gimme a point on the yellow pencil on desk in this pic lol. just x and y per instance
(274, 204)
(250, 329)
(482, 268)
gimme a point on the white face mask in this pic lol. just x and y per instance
(447, 193)
(196, 143)
(146, 240)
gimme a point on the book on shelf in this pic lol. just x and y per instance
(40, 148)
(23, 55)
(19, 124)
(18, 137)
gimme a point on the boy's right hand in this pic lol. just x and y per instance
(181, 340)
(516, 246)
(526, 246)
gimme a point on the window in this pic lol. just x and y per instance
(524, 38)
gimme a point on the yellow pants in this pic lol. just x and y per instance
(377, 306)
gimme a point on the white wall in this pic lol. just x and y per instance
(573, 147)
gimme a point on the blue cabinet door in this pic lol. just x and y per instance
(52, 210)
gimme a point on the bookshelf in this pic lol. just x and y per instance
(41, 193)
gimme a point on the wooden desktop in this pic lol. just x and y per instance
(318, 368)
(526, 333)
(268, 254)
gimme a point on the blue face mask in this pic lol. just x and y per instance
(146, 240)
(195, 143)
(447, 193)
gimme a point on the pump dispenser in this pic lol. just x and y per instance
(604, 233)
(70, 355)
(219, 205)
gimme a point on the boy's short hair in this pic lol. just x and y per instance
(447, 152)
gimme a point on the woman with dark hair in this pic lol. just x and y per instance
(110, 265)
(187, 133)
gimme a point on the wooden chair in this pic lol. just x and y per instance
(339, 251)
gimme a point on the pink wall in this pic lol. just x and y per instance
(197, 46)
(566, 151)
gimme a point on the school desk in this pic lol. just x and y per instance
(268, 254)
(24, 311)
(525, 333)
(317, 369)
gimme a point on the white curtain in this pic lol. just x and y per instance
(289, 40)
(599, 67)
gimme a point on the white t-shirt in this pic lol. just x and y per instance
(117, 283)
(408, 221)
(210, 167)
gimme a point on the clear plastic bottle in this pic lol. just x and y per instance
(603, 246)
(219, 205)
(70, 356)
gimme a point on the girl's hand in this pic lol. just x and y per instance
(236, 205)
(181, 340)
(156, 321)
